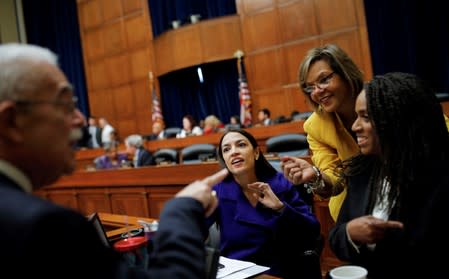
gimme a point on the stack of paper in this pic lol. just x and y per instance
(235, 269)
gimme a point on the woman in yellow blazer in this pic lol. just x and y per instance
(331, 82)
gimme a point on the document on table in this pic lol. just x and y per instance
(235, 269)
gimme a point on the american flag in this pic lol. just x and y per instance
(245, 97)
(156, 109)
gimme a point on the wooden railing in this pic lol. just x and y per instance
(85, 157)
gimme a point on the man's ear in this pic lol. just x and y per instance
(10, 129)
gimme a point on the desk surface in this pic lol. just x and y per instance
(124, 223)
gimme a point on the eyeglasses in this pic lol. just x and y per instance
(321, 84)
(68, 106)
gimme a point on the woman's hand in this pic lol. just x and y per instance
(297, 171)
(265, 195)
(369, 229)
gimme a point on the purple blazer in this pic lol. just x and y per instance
(104, 162)
(260, 234)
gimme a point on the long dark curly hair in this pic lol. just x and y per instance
(413, 138)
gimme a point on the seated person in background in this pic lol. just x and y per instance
(157, 131)
(111, 158)
(264, 117)
(234, 123)
(261, 215)
(390, 221)
(95, 133)
(212, 125)
(136, 150)
(114, 139)
(189, 127)
(106, 130)
(31, 225)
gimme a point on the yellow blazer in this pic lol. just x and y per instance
(331, 143)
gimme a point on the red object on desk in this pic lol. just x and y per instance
(130, 244)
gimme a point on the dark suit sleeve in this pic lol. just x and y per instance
(62, 244)
(354, 206)
(179, 249)
(146, 158)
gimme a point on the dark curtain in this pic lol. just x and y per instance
(410, 36)
(54, 24)
(163, 12)
(182, 93)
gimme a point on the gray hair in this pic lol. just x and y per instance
(134, 140)
(17, 63)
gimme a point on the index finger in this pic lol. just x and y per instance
(389, 224)
(216, 177)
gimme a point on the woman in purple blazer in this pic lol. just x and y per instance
(261, 217)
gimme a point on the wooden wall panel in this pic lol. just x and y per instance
(102, 105)
(297, 20)
(187, 47)
(137, 32)
(139, 63)
(94, 200)
(293, 54)
(130, 201)
(219, 39)
(94, 43)
(118, 69)
(124, 101)
(132, 5)
(98, 75)
(296, 100)
(335, 15)
(142, 91)
(261, 30)
(157, 198)
(114, 35)
(126, 127)
(65, 197)
(164, 58)
(89, 14)
(112, 9)
(247, 7)
(266, 77)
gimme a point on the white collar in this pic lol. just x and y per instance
(16, 175)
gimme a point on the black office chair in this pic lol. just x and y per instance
(302, 116)
(172, 132)
(166, 156)
(197, 153)
(288, 144)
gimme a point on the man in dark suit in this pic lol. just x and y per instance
(36, 108)
(141, 156)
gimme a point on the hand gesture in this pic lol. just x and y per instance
(297, 171)
(201, 190)
(265, 195)
(369, 229)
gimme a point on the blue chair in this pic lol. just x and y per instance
(166, 155)
(288, 144)
(171, 132)
(197, 153)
